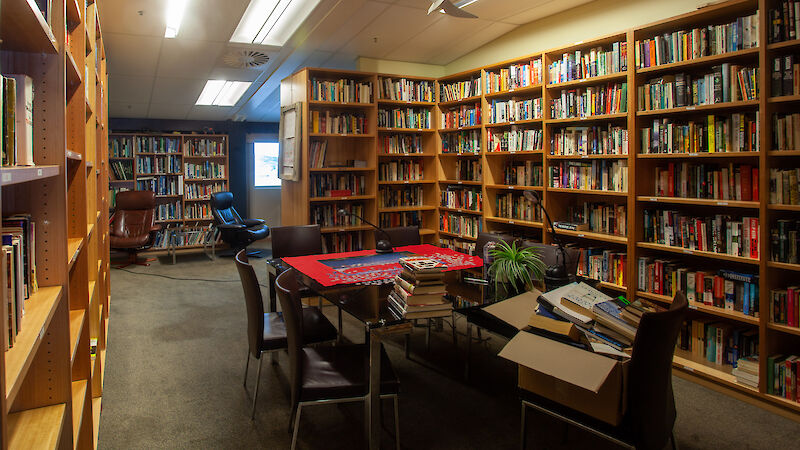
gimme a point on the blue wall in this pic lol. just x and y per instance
(237, 132)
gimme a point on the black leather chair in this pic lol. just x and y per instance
(235, 231)
(266, 332)
(400, 236)
(323, 375)
(650, 414)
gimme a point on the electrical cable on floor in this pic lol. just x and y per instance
(183, 279)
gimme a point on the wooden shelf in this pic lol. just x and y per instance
(197, 156)
(791, 44)
(460, 210)
(784, 266)
(345, 229)
(97, 404)
(407, 208)
(595, 118)
(460, 236)
(404, 130)
(340, 169)
(78, 403)
(89, 230)
(23, 174)
(784, 153)
(406, 155)
(708, 309)
(612, 286)
(193, 199)
(37, 428)
(699, 202)
(750, 53)
(382, 101)
(462, 154)
(783, 328)
(587, 156)
(514, 187)
(784, 99)
(516, 92)
(74, 75)
(515, 122)
(23, 28)
(76, 320)
(342, 135)
(74, 246)
(701, 108)
(587, 192)
(594, 236)
(619, 76)
(73, 11)
(463, 182)
(699, 253)
(522, 223)
(465, 128)
(341, 199)
(516, 153)
(776, 207)
(473, 99)
(320, 103)
(384, 183)
(39, 310)
(682, 360)
(698, 155)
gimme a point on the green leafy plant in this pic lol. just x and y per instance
(515, 269)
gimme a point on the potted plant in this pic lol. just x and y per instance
(514, 269)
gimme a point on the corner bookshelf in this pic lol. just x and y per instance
(749, 106)
(183, 170)
(52, 376)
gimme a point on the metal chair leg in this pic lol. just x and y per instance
(523, 433)
(255, 393)
(396, 424)
(246, 367)
(674, 441)
(296, 426)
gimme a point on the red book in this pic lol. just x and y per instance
(790, 319)
(719, 291)
(754, 237)
(671, 181)
(747, 192)
(341, 192)
(755, 184)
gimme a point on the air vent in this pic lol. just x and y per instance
(245, 59)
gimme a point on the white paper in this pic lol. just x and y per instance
(606, 349)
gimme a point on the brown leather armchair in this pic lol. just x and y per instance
(133, 226)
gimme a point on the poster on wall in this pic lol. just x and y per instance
(289, 138)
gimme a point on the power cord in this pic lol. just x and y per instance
(183, 279)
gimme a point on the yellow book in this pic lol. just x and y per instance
(711, 130)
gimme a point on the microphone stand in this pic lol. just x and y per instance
(556, 275)
(383, 245)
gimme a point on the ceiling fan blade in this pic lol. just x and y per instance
(435, 6)
(453, 10)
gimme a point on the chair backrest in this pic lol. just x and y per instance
(651, 405)
(486, 237)
(222, 209)
(253, 301)
(134, 215)
(296, 240)
(400, 236)
(287, 288)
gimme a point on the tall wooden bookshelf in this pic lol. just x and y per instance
(630, 201)
(182, 169)
(52, 377)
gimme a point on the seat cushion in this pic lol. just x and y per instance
(316, 328)
(341, 372)
(129, 242)
(258, 232)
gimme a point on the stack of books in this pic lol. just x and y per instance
(419, 289)
(746, 371)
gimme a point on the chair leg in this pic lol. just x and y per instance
(469, 348)
(674, 441)
(341, 331)
(246, 367)
(523, 433)
(428, 337)
(273, 357)
(396, 424)
(296, 426)
(255, 393)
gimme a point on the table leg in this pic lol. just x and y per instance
(272, 293)
(373, 406)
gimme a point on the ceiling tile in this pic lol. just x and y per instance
(212, 20)
(342, 23)
(210, 113)
(177, 90)
(389, 31)
(229, 73)
(123, 88)
(541, 9)
(168, 111)
(427, 45)
(127, 110)
(123, 16)
(182, 57)
(132, 55)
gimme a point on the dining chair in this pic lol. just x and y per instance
(266, 332)
(327, 374)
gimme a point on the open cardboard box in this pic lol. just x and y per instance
(584, 381)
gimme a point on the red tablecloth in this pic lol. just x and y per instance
(368, 267)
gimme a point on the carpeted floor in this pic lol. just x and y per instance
(176, 354)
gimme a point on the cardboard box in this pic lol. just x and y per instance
(579, 379)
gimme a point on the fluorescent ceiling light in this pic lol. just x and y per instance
(460, 5)
(175, 10)
(272, 22)
(222, 92)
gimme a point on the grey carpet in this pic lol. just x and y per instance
(175, 364)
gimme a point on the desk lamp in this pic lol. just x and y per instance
(556, 275)
(383, 245)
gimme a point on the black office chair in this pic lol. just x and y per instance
(235, 231)
(327, 374)
(266, 331)
(650, 414)
(400, 236)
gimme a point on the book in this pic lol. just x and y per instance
(582, 299)
(401, 309)
(609, 315)
(9, 121)
(419, 289)
(419, 299)
(422, 264)
(24, 119)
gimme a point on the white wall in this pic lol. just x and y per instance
(400, 67)
(263, 203)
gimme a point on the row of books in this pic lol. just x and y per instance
(696, 43)
(113, 191)
(514, 77)
(468, 141)
(593, 175)
(456, 244)
(121, 170)
(600, 217)
(155, 144)
(127, 146)
(419, 118)
(158, 164)
(785, 76)
(328, 215)
(514, 140)
(726, 83)
(17, 120)
(468, 170)
(724, 234)
(403, 196)
(595, 62)
(784, 306)
(400, 171)
(784, 21)
(337, 185)
(707, 181)
(163, 185)
(783, 241)
(406, 90)
(595, 140)
(461, 224)
(181, 236)
(168, 211)
(400, 219)
(519, 173)
(316, 153)
(717, 342)
(460, 197)
(590, 101)
(419, 290)
(344, 90)
(338, 123)
(401, 144)
(503, 111)
(208, 169)
(196, 146)
(513, 205)
(343, 242)
(120, 147)
(461, 116)
(459, 90)
(197, 211)
(734, 133)
(602, 264)
(786, 131)
(196, 191)
(782, 376)
(783, 186)
(18, 266)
